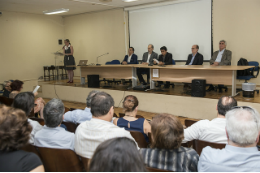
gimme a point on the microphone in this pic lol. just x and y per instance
(100, 56)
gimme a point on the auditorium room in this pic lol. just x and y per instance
(129, 85)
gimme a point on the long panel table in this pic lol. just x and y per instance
(225, 75)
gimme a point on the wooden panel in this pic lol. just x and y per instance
(212, 77)
(108, 72)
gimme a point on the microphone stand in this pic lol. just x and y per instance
(98, 57)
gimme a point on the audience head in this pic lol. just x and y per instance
(67, 42)
(117, 155)
(53, 113)
(222, 44)
(195, 49)
(24, 101)
(225, 103)
(243, 126)
(7, 85)
(167, 132)
(15, 130)
(130, 103)
(90, 96)
(102, 104)
(16, 85)
(163, 50)
(150, 48)
(131, 50)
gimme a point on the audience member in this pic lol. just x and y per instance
(14, 134)
(16, 87)
(52, 135)
(39, 106)
(117, 155)
(78, 115)
(166, 151)
(91, 133)
(7, 88)
(214, 130)
(25, 101)
(241, 153)
(129, 121)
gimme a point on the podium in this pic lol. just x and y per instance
(57, 67)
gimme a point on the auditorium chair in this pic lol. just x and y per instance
(30, 148)
(71, 127)
(139, 138)
(137, 116)
(40, 120)
(85, 162)
(199, 145)
(115, 115)
(188, 123)
(150, 169)
(6, 101)
(60, 160)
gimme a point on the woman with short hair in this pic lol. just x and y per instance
(166, 151)
(16, 87)
(14, 134)
(117, 155)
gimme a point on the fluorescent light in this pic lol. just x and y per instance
(57, 11)
(129, 0)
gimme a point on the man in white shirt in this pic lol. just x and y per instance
(241, 153)
(52, 135)
(214, 130)
(91, 133)
(79, 116)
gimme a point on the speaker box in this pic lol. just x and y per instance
(93, 81)
(198, 88)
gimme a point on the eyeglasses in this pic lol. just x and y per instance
(221, 43)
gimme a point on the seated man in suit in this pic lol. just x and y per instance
(164, 59)
(220, 58)
(131, 58)
(147, 59)
(195, 58)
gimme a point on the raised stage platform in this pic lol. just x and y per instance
(175, 100)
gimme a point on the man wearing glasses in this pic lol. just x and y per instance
(195, 58)
(220, 58)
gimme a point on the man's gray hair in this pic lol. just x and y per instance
(53, 113)
(223, 41)
(90, 96)
(243, 126)
(151, 45)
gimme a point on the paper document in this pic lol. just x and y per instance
(36, 89)
(155, 72)
(156, 60)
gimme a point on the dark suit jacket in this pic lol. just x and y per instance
(153, 56)
(198, 60)
(167, 60)
(225, 60)
(133, 59)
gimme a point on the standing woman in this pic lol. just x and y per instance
(69, 59)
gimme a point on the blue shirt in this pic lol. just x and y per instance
(78, 116)
(192, 59)
(229, 159)
(56, 137)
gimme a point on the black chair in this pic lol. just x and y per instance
(199, 145)
(71, 127)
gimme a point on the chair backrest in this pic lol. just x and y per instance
(85, 162)
(199, 145)
(139, 138)
(60, 160)
(150, 169)
(188, 123)
(30, 148)
(173, 62)
(6, 101)
(137, 116)
(67, 109)
(40, 120)
(115, 115)
(71, 127)
(254, 63)
(115, 61)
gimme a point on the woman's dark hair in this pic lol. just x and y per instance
(15, 130)
(117, 155)
(130, 103)
(167, 132)
(24, 101)
(16, 85)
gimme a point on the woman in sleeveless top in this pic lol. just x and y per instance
(69, 59)
(129, 121)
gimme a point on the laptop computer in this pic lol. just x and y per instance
(83, 62)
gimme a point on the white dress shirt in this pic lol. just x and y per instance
(129, 58)
(205, 130)
(90, 134)
(56, 137)
(149, 55)
(35, 128)
(78, 116)
(229, 159)
(219, 57)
